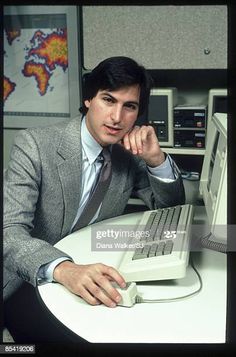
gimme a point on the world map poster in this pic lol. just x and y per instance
(36, 71)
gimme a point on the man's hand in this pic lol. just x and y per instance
(91, 282)
(142, 141)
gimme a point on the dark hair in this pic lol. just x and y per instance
(114, 73)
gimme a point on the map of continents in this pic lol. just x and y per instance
(40, 55)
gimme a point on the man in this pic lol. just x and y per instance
(52, 171)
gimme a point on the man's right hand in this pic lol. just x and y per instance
(91, 282)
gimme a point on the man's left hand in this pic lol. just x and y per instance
(142, 141)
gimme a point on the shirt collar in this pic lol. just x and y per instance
(90, 146)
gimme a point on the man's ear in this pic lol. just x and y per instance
(87, 103)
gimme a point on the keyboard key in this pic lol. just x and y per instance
(138, 254)
(153, 249)
(168, 247)
(160, 248)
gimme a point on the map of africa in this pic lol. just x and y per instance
(36, 71)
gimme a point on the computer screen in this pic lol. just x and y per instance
(217, 102)
(213, 182)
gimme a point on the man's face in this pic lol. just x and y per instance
(111, 114)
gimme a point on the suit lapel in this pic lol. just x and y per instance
(70, 171)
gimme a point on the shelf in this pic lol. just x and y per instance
(183, 151)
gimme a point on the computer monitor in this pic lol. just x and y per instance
(213, 182)
(217, 102)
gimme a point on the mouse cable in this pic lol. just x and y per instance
(139, 299)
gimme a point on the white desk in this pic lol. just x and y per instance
(198, 319)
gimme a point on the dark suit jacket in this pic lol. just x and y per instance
(42, 189)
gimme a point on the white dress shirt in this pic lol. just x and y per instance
(91, 167)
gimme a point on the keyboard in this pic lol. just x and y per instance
(162, 248)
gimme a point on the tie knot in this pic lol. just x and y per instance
(106, 155)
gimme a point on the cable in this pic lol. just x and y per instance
(211, 244)
(139, 299)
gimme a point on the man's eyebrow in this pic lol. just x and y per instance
(132, 102)
(107, 93)
(128, 102)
